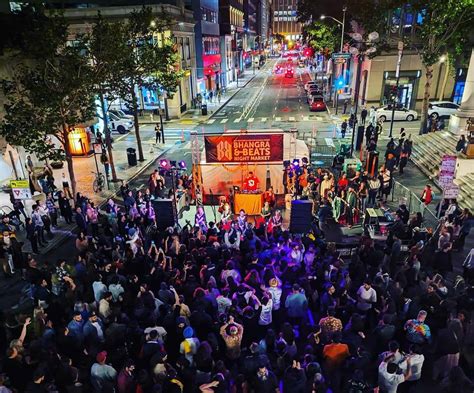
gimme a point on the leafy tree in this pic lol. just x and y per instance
(49, 93)
(323, 37)
(445, 29)
(103, 50)
(148, 58)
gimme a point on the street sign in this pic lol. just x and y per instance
(451, 191)
(20, 189)
(341, 56)
(340, 60)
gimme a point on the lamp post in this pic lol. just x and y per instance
(342, 24)
(369, 48)
(397, 82)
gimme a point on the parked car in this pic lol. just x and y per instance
(289, 73)
(121, 114)
(317, 104)
(313, 94)
(385, 113)
(442, 108)
(120, 125)
(309, 84)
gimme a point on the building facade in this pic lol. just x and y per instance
(378, 78)
(285, 19)
(207, 43)
(231, 21)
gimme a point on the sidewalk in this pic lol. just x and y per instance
(194, 116)
(85, 169)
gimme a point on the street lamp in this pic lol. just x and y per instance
(342, 23)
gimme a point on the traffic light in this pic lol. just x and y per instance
(339, 83)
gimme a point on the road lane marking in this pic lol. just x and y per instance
(223, 121)
(291, 118)
(277, 118)
(250, 120)
(237, 120)
(305, 118)
(211, 121)
(264, 119)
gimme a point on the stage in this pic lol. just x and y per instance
(336, 233)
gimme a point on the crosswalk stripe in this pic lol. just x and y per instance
(319, 118)
(211, 121)
(237, 120)
(277, 118)
(223, 121)
(264, 119)
(250, 120)
(305, 118)
(291, 118)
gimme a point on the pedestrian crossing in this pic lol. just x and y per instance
(277, 119)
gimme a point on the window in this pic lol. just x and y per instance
(208, 15)
(187, 49)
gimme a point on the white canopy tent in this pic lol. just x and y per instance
(221, 177)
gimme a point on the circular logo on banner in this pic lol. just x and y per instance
(251, 183)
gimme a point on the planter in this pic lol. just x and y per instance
(57, 164)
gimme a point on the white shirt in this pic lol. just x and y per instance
(276, 296)
(266, 314)
(389, 382)
(368, 296)
(416, 364)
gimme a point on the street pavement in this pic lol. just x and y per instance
(262, 101)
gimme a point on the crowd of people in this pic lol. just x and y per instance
(235, 306)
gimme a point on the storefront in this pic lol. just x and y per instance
(407, 88)
(459, 85)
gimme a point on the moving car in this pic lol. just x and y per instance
(119, 125)
(442, 108)
(385, 113)
(317, 104)
(289, 73)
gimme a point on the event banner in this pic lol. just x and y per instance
(244, 148)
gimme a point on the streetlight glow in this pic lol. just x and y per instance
(442, 59)
(322, 17)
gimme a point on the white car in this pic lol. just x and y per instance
(120, 113)
(119, 125)
(385, 113)
(442, 108)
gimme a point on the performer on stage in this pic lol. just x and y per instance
(275, 222)
(200, 219)
(226, 214)
(251, 183)
(266, 211)
(269, 196)
(242, 220)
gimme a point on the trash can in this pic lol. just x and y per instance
(132, 156)
(204, 109)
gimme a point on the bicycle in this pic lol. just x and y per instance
(99, 182)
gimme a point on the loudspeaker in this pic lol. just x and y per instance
(165, 213)
(301, 216)
(360, 137)
(372, 162)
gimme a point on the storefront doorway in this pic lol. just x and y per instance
(407, 88)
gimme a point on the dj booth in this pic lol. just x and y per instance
(250, 202)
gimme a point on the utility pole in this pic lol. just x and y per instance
(357, 89)
(397, 82)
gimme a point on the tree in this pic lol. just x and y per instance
(444, 29)
(49, 93)
(148, 58)
(323, 37)
(102, 46)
